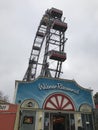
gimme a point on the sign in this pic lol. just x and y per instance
(57, 86)
(4, 107)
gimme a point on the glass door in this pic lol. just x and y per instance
(87, 121)
(59, 121)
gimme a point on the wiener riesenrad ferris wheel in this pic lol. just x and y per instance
(47, 54)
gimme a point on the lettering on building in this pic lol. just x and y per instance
(4, 107)
(57, 86)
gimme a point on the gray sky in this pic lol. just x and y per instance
(19, 20)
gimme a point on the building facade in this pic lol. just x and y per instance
(8, 114)
(53, 104)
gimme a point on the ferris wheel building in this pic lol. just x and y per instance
(47, 102)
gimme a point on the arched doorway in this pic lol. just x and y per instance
(60, 115)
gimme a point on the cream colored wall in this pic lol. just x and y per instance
(16, 126)
(40, 120)
(78, 120)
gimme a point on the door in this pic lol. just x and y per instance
(27, 120)
(87, 121)
(59, 121)
(63, 122)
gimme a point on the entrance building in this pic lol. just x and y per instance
(54, 104)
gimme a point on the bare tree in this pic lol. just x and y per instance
(3, 97)
(96, 98)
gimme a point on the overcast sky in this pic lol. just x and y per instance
(19, 20)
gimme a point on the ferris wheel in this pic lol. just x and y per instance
(48, 47)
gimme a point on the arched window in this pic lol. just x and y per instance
(59, 101)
